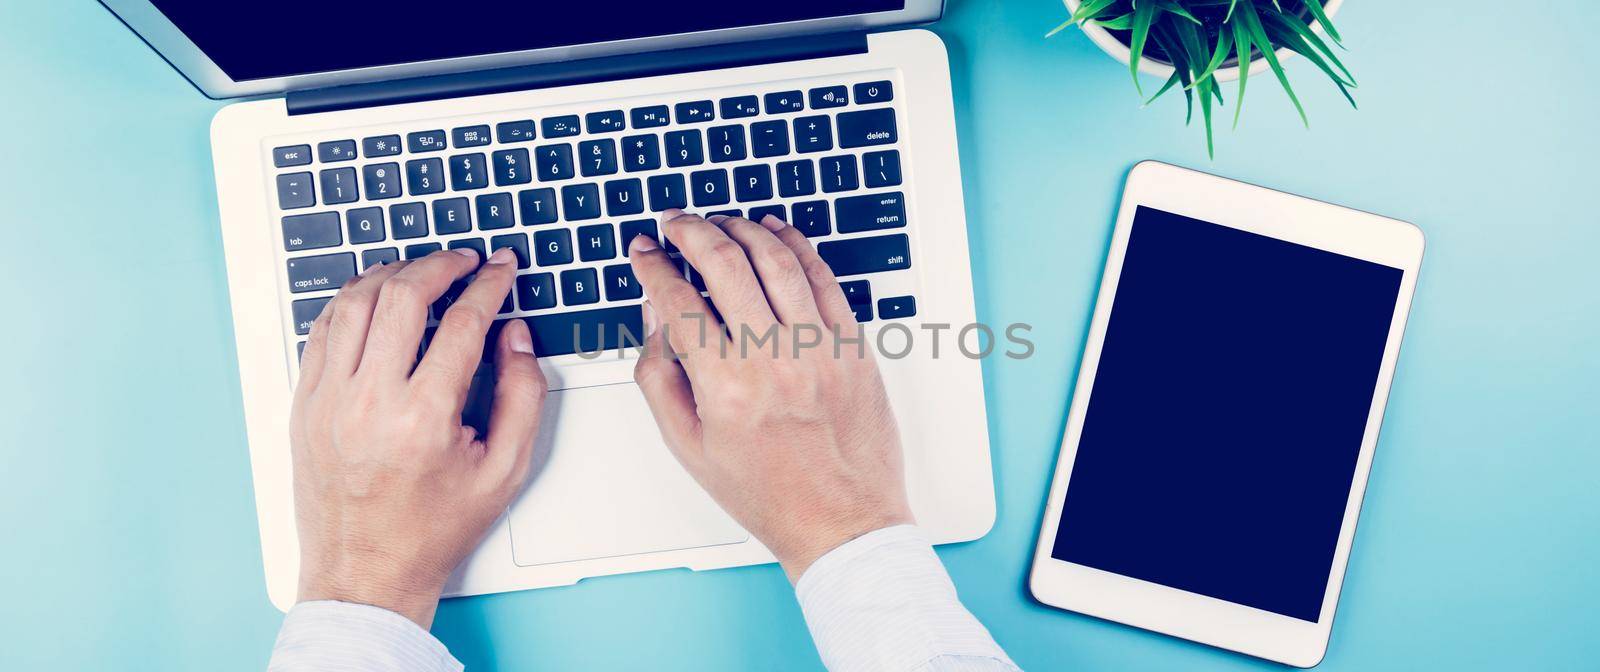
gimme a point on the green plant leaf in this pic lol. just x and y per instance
(1304, 33)
(1089, 10)
(1143, 17)
(1175, 8)
(1258, 35)
(1123, 22)
(1171, 82)
(1287, 37)
(1218, 55)
(1242, 45)
(1322, 19)
(1058, 29)
(1180, 67)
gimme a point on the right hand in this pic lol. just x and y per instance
(798, 444)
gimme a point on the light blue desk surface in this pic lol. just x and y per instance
(127, 525)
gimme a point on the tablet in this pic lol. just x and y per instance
(1225, 413)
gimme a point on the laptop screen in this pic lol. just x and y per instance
(259, 40)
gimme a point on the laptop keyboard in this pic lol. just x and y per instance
(567, 192)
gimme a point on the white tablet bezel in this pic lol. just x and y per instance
(1176, 612)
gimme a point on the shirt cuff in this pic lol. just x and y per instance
(883, 601)
(328, 635)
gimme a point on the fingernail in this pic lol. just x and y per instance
(372, 268)
(642, 243)
(649, 320)
(670, 213)
(717, 219)
(521, 339)
(772, 223)
(468, 253)
(503, 255)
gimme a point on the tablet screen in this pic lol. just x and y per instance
(1227, 414)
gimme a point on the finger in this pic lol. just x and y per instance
(311, 358)
(350, 317)
(831, 304)
(667, 391)
(680, 309)
(402, 310)
(787, 289)
(727, 271)
(519, 393)
(457, 346)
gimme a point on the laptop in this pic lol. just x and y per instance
(383, 131)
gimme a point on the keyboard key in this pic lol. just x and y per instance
(580, 201)
(863, 312)
(579, 286)
(314, 274)
(295, 191)
(829, 96)
(740, 107)
(365, 225)
(511, 167)
(874, 92)
(517, 243)
(421, 250)
(379, 146)
(621, 285)
(641, 152)
(408, 220)
(424, 176)
(881, 169)
(726, 143)
(381, 255)
(310, 232)
(338, 150)
(514, 131)
(598, 157)
(839, 174)
(552, 247)
(293, 155)
(710, 187)
(306, 311)
(759, 213)
(784, 102)
(855, 256)
(813, 134)
(494, 212)
(667, 191)
(769, 138)
(796, 178)
(812, 219)
(752, 183)
(468, 171)
(471, 244)
(635, 228)
(866, 128)
(597, 242)
(870, 212)
(339, 186)
(536, 291)
(588, 331)
(470, 136)
(425, 141)
(538, 206)
(561, 127)
(683, 149)
(451, 215)
(448, 299)
(610, 121)
(650, 117)
(695, 112)
(856, 292)
(382, 180)
(897, 307)
(555, 163)
(624, 197)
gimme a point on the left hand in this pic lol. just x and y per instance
(391, 492)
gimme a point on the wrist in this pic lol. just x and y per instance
(819, 540)
(415, 600)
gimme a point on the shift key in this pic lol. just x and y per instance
(314, 274)
(871, 212)
(867, 255)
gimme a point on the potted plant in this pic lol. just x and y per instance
(1199, 44)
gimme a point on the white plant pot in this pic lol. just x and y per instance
(1111, 45)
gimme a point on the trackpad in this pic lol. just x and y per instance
(604, 485)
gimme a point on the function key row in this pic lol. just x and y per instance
(612, 121)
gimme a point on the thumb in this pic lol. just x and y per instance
(519, 394)
(666, 389)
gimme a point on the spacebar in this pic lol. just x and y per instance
(588, 330)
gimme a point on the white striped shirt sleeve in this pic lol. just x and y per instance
(883, 601)
(327, 636)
